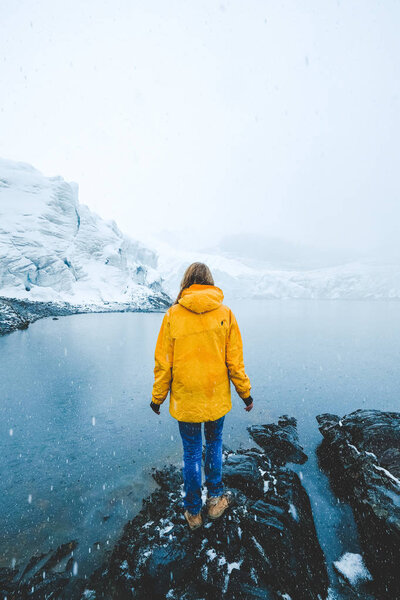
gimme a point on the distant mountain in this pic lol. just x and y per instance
(274, 253)
(244, 277)
(52, 248)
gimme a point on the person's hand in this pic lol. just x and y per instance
(155, 407)
(249, 403)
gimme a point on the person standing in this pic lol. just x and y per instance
(199, 351)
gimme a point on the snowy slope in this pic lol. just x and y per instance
(54, 249)
(355, 280)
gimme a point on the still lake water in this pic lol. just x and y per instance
(78, 439)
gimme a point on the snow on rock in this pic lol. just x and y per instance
(53, 248)
(360, 452)
(254, 550)
(351, 567)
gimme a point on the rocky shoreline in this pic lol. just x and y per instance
(18, 313)
(266, 545)
(361, 455)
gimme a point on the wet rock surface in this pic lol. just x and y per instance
(18, 314)
(279, 441)
(361, 454)
(264, 546)
(48, 575)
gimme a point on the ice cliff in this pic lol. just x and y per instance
(52, 248)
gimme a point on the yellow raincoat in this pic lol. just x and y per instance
(198, 352)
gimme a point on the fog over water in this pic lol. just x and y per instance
(275, 119)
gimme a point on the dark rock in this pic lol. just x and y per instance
(361, 454)
(63, 551)
(7, 577)
(18, 314)
(44, 576)
(264, 546)
(280, 442)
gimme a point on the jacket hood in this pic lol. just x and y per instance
(201, 298)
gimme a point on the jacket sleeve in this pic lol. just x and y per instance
(163, 356)
(234, 360)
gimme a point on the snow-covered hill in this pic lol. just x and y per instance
(239, 279)
(52, 248)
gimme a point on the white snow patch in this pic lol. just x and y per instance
(211, 553)
(389, 474)
(351, 567)
(147, 525)
(371, 454)
(354, 447)
(166, 529)
(260, 548)
(293, 511)
(234, 565)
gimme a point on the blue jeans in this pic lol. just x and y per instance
(192, 454)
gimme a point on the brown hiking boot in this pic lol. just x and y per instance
(217, 505)
(194, 521)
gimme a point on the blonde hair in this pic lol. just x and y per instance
(197, 272)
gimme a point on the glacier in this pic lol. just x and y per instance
(58, 257)
(54, 249)
(240, 278)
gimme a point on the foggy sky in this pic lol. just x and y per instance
(274, 117)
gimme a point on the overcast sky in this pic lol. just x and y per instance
(273, 117)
